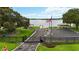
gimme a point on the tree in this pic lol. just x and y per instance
(25, 23)
(72, 16)
(9, 26)
(8, 18)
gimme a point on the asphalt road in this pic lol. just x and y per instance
(32, 46)
(64, 33)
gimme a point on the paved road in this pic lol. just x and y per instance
(64, 33)
(32, 46)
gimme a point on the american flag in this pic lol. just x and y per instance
(49, 20)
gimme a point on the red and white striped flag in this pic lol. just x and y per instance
(49, 20)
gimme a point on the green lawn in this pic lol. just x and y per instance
(10, 46)
(64, 47)
(12, 42)
(24, 32)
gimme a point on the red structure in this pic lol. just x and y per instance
(50, 22)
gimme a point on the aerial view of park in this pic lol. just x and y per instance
(39, 29)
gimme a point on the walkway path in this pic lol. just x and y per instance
(32, 46)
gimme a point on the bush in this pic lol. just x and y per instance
(49, 45)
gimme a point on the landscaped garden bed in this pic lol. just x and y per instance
(64, 47)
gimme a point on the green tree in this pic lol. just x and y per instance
(10, 27)
(72, 16)
(9, 18)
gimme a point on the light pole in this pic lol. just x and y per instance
(49, 44)
(51, 24)
(51, 29)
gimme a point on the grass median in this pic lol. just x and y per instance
(64, 47)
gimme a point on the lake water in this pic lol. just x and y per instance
(44, 23)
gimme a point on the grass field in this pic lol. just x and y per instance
(24, 32)
(9, 46)
(64, 47)
(12, 42)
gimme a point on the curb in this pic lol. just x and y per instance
(23, 42)
(37, 46)
(74, 31)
